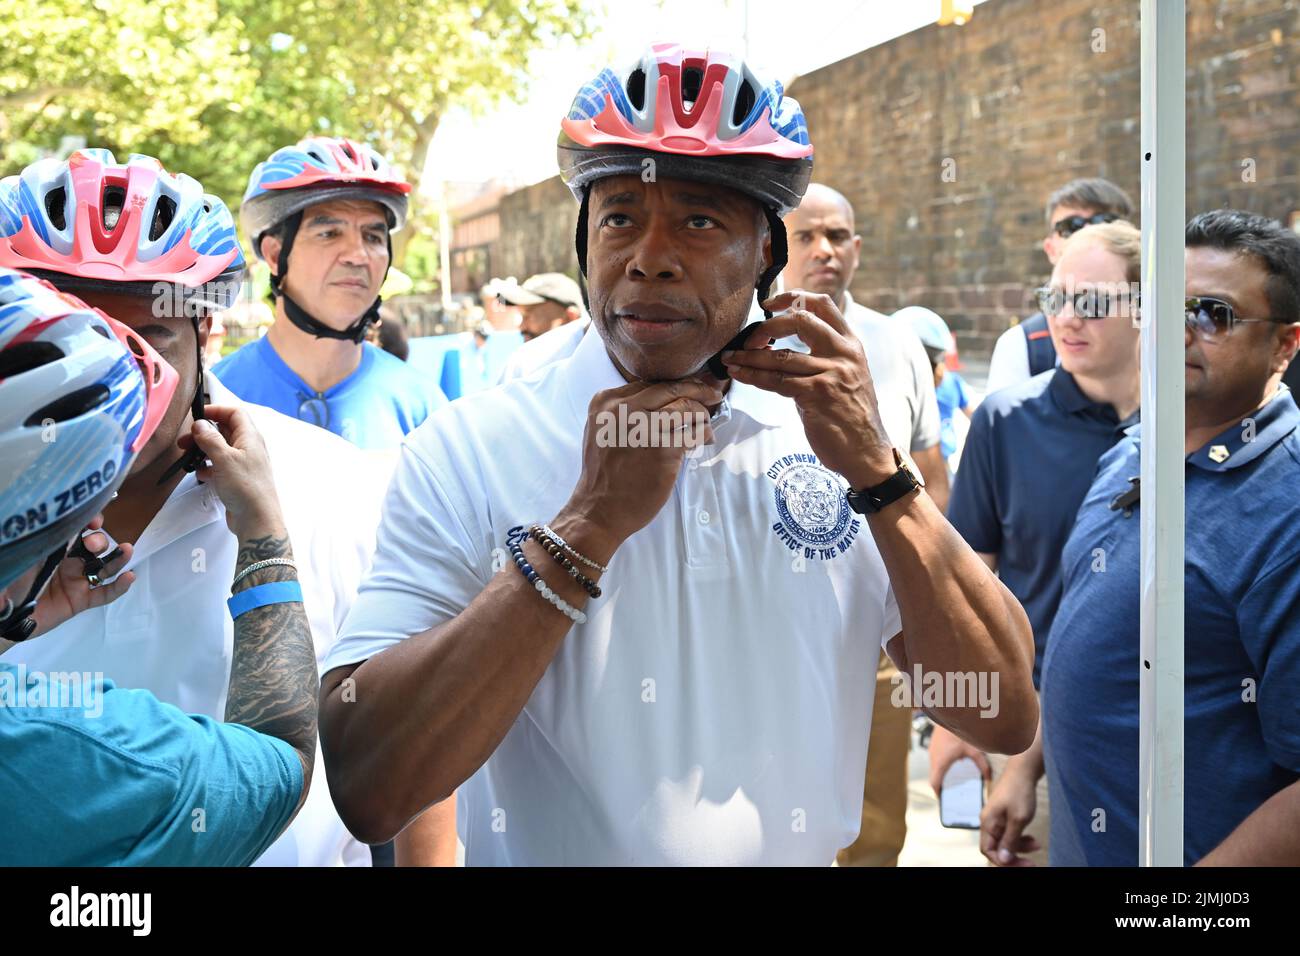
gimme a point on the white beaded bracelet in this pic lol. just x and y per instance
(573, 614)
(544, 589)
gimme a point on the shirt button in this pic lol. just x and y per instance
(703, 517)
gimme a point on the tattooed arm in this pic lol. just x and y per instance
(273, 679)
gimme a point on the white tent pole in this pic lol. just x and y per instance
(1160, 780)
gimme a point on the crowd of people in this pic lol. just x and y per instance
(316, 614)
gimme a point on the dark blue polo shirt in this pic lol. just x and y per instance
(1242, 647)
(1029, 458)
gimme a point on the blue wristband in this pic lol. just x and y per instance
(277, 592)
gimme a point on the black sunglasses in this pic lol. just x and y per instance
(1097, 303)
(1212, 318)
(1068, 226)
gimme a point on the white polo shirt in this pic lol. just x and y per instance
(172, 633)
(716, 706)
(549, 347)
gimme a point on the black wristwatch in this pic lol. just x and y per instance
(870, 500)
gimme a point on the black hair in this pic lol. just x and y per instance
(1272, 245)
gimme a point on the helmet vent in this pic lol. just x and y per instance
(55, 201)
(692, 80)
(114, 200)
(72, 405)
(636, 89)
(347, 149)
(102, 331)
(164, 214)
(26, 356)
(745, 100)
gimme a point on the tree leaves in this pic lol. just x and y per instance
(212, 87)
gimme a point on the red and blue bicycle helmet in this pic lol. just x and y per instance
(700, 115)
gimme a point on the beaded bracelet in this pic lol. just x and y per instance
(546, 529)
(553, 549)
(535, 579)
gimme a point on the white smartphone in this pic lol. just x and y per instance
(961, 797)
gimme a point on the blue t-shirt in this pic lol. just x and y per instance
(374, 407)
(952, 396)
(115, 777)
(1241, 730)
(1029, 458)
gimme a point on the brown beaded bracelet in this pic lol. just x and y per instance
(553, 548)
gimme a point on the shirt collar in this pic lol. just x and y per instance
(282, 368)
(591, 370)
(1070, 399)
(1251, 437)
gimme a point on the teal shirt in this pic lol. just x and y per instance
(123, 779)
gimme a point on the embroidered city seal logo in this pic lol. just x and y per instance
(814, 516)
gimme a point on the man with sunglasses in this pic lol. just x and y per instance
(321, 214)
(1241, 730)
(1028, 461)
(1026, 349)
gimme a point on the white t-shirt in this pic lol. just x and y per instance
(716, 706)
(172, 633)
(551, 346)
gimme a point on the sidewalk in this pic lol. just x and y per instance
(929, 843)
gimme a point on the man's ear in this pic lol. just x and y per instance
(1288, 339)
(204, 326)
(271, 252)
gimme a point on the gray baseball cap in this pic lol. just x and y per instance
(543, 287)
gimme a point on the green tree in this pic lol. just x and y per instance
(119, 72)
(211, 87)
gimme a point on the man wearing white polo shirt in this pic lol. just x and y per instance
(675, 669)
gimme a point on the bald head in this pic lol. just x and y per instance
(821, 199)
(823, 244)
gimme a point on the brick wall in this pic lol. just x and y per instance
(1019, 102)
(537, 230)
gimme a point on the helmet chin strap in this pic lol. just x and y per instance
(356, 332)
(16, 623)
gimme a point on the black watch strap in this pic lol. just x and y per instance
(873, 499)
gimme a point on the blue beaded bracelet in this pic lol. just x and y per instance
(277, 592)
(536, 580)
